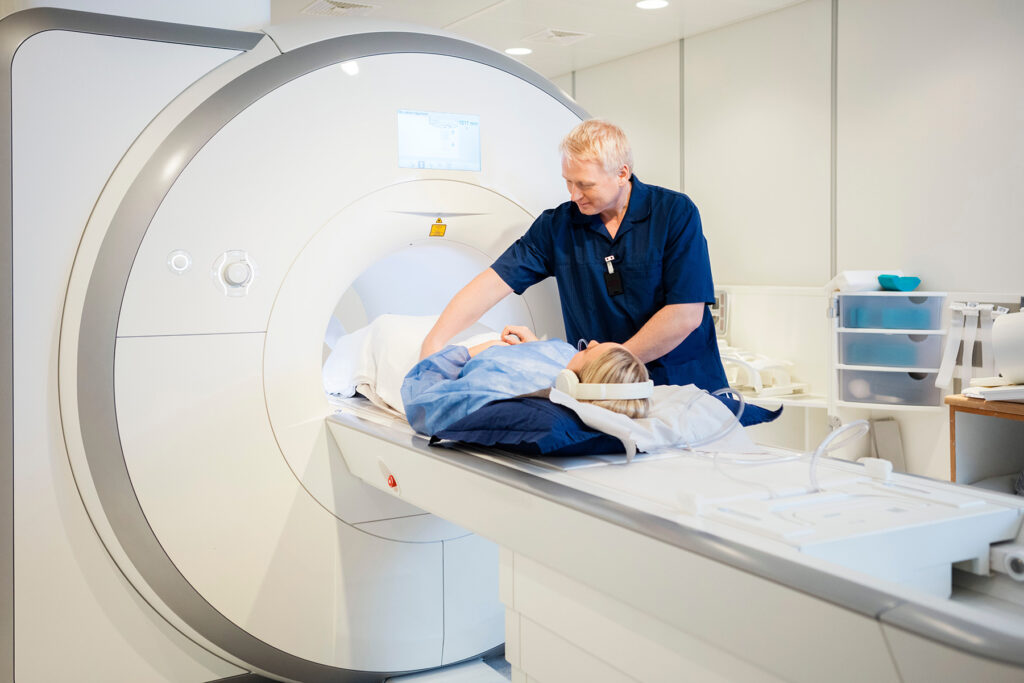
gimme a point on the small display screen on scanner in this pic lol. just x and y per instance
(438, 141)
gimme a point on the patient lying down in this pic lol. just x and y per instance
(458, 380)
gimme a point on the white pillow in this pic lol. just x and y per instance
(346, 361)
(381, 354)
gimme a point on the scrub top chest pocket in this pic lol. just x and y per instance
(643, 286)
(612, 278)
(611, 306)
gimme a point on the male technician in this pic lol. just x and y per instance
(630, 260)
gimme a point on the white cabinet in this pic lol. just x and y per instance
(887, 347)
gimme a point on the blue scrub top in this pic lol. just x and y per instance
(662, 256)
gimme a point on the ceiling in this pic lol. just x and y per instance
(612, 28)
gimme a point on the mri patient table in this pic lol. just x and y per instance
(682, 568)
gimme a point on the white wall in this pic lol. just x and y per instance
(639, 93)
(756, 145)
(931, 140)
(930, 146)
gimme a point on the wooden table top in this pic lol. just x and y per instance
(982, 407)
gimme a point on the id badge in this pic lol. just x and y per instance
(613, 282)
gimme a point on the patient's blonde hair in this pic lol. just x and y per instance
(617, 365)
(600, 141)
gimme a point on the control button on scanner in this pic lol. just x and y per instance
(233, 272)
(237, 274)
(179, 261)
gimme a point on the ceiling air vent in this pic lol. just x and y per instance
(338, 8)
(555, 36)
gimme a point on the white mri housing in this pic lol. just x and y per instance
(191, 335)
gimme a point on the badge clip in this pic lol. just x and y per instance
(612, 279)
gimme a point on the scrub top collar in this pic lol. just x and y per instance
(638, 211)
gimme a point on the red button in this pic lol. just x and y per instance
(391, 481)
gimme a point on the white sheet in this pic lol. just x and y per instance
(679, 417)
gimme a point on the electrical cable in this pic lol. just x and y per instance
(854, 431)
(849, 433)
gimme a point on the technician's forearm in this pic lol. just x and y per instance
(465, 308)
(665, 330)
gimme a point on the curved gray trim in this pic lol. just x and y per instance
(927, 622)
(101, 309)
(243, 678)
(15, 29)
(954, 631)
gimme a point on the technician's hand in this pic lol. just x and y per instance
(473, 350)
(517, 334)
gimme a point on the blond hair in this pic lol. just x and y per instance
(617, 365)
(600, 141)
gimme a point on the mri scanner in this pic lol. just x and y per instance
(186, 210)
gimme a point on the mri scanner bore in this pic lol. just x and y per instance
(237, 520)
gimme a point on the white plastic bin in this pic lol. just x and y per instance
(890, 350)
(893, 387)
(891, 311)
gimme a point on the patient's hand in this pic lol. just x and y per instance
(473, 350)
(517, 334)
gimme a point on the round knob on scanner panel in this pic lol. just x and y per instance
(237, 274)
(233, 273)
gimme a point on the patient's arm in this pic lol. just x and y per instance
(518, 334)
(425, 390)
(465, 308)
(473, 350)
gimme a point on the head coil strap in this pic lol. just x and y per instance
(568, 383)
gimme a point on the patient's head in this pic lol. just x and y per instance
(611, 363)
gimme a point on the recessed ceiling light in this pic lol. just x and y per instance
(518, 51)
(351, 68)
(652, 4)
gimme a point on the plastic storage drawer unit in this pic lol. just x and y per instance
(898, 312)
(890, 350)
(895, 387)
